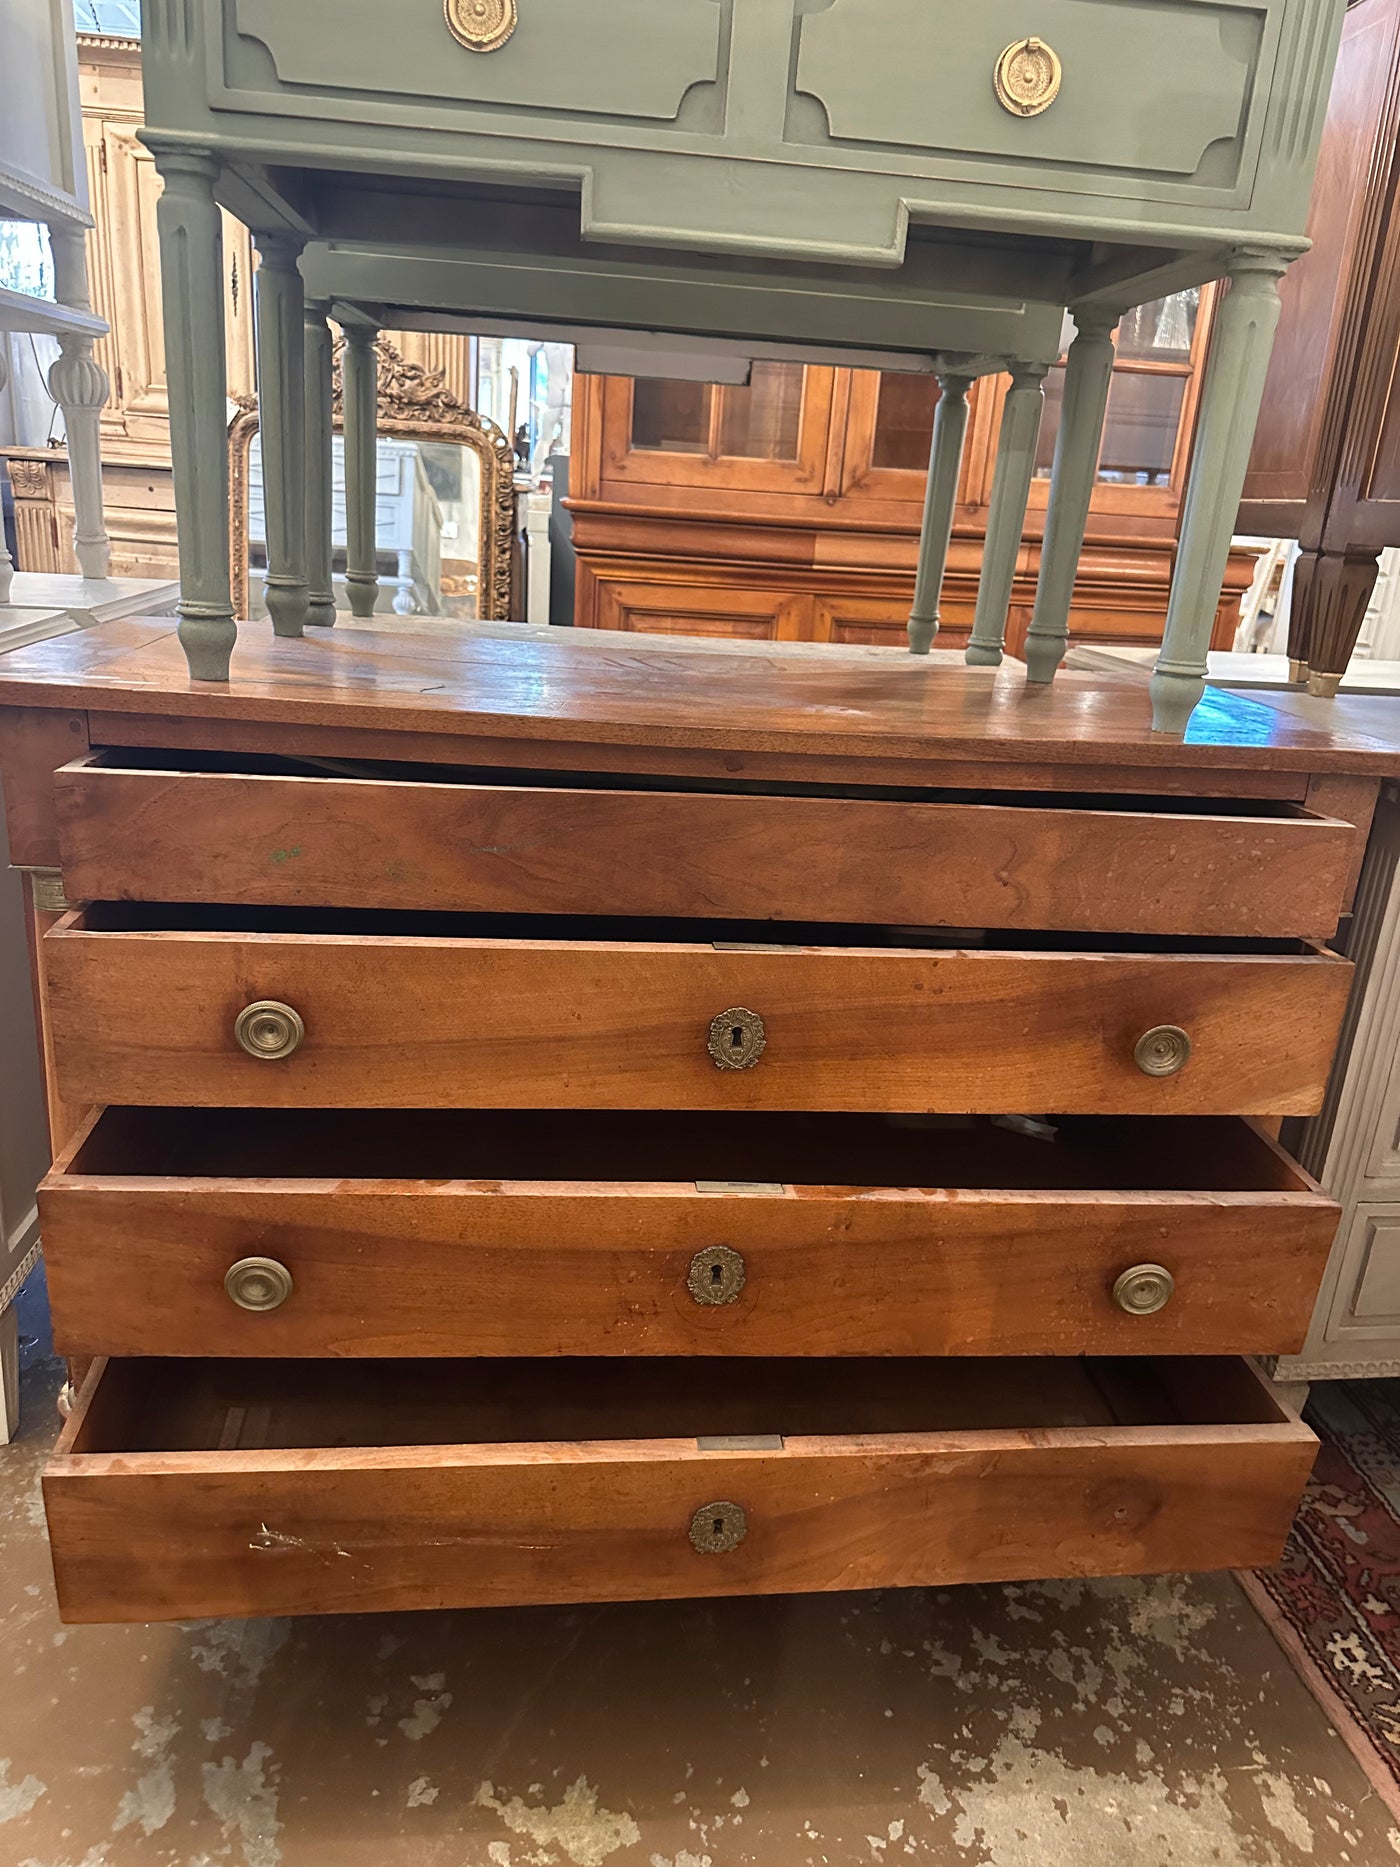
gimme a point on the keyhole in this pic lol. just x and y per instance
(716, 1273)
(736, 1038)
(719, 1526)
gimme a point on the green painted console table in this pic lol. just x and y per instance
(918, 181)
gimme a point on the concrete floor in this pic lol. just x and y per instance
(1123, 1724)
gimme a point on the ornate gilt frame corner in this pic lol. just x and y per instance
(415, 403)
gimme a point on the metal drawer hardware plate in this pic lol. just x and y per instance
(716, 1275)
(269, 1030)
(480, 25)
(1144, 1289)
(258, 1283)
(717, 1528)
(1027, 77)
(47, 888)
(737, 1039)
(1165, 1050)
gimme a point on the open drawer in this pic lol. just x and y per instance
(298, 1232)
(151, 826)
(231, 1008)
(183, 1489)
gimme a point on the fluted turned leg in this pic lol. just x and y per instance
(78, 383)
(1088, 372)
(1240, 345)
(320, 607)
(360, 396)
(1006, 521)
(282, 425)
(7, 563)
(191, 273)
(940, 501)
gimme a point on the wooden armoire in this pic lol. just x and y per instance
(790, 509)
(1326, 462)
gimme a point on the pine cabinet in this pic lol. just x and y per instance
(789, 509)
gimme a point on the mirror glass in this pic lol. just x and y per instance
(427, 528)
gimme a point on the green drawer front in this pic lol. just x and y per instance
(1157, 89)
(619, 58)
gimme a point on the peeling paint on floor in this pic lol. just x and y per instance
(1137, 1723)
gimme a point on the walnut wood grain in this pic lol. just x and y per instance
(966, 1261)
(34, 742)
(581, 686)
(279, 1524)
(320, 841)
(689, 762)
(406, 1021)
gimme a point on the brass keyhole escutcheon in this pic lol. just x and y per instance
(258, 1283)
(480, 25)
(268, 1030)
(716, 1275)
(1165, 1050)
(1027, 77)
(715, 1529)
(1144, 1289)
(737, 1039)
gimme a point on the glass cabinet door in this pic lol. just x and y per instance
(769, 434)
(1145, 436)
(1147, 429)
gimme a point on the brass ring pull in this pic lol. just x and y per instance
(480, 25)
(1165, 1050)
(1027, 77)
(258, 1283)
(1144, 1289)
(715, 1529)
(737, 1039)
(268, 1030)
(716, 1275)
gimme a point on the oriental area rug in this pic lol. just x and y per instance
(1334, 1600)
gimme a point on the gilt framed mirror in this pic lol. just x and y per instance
(444, 509)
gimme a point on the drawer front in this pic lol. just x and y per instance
(936, 93)
(150, 1018)
(175, 1496)
(175, 1263)
(325, 842)
(628, 58)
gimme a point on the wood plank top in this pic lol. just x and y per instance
(503, 681)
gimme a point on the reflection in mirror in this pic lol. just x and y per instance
(427, 528)
(444, 505)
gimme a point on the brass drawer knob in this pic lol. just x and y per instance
(258, 1283)
(737, 1039)
(1027, 77)
(480, 25)
(268, 1030)
(1165, 1050)
(716, 1275)
(1144, 1289)
(715, 1529)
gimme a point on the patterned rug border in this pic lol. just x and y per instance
(1349, 1727)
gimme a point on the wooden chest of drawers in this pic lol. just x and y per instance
(537, 1120)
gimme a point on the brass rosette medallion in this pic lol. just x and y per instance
(1027, 78)
(480, 25)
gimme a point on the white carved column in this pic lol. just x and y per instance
(78, 383)
(7, 563)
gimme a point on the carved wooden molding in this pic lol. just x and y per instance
(414, 403)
